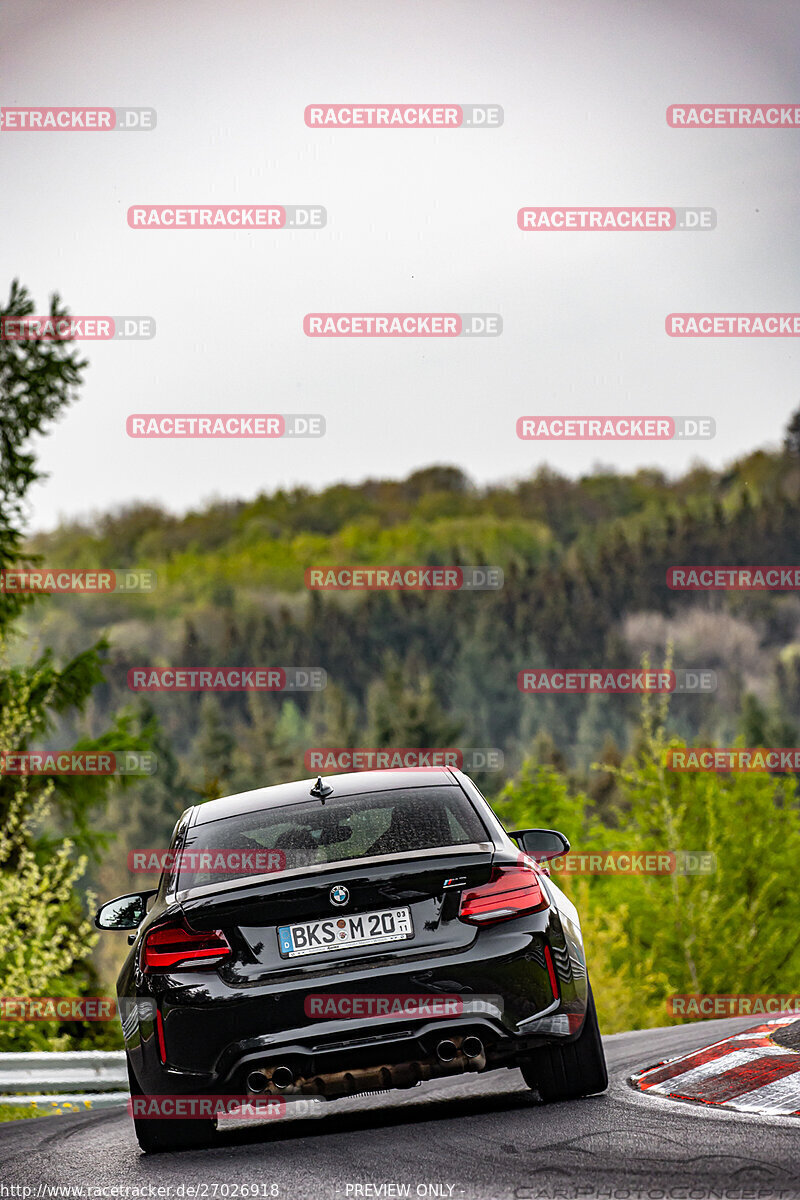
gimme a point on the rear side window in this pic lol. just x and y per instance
(352, 827)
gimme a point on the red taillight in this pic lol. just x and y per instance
(170, 946)
(510, 892)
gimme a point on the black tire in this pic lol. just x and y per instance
(572, 1070)
(156, 1135)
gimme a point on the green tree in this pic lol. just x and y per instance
(46, 823)
(43, 932)
(404, 713)
(648, 937)
(38, 379)
(791, 440)
(213, 748)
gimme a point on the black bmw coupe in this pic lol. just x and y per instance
(373, 930)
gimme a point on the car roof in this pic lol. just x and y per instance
(352, 783)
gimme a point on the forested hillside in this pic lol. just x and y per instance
(584, 567)
(584, 564)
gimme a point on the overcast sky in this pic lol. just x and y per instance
(417, 221)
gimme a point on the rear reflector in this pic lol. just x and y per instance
(170, 946)
(510, 892)
(548, 958)
(162, 1046)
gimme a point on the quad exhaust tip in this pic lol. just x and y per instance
(282, 1078)
(446, 1050)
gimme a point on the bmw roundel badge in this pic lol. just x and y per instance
(339, 895)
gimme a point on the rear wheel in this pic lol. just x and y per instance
(157, 1134)
(574, 1069)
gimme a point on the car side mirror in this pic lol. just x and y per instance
(123, 912)
(541, 844)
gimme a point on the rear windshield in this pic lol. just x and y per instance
(344, 828)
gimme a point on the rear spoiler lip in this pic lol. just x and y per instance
(203, 891)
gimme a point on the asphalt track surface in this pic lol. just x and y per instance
(483, 1136)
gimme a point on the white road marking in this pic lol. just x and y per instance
(716, 1066)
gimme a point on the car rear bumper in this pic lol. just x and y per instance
(217, 1034)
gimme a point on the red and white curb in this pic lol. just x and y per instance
(748, 1073)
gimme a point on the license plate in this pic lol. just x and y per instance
(337, 933)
